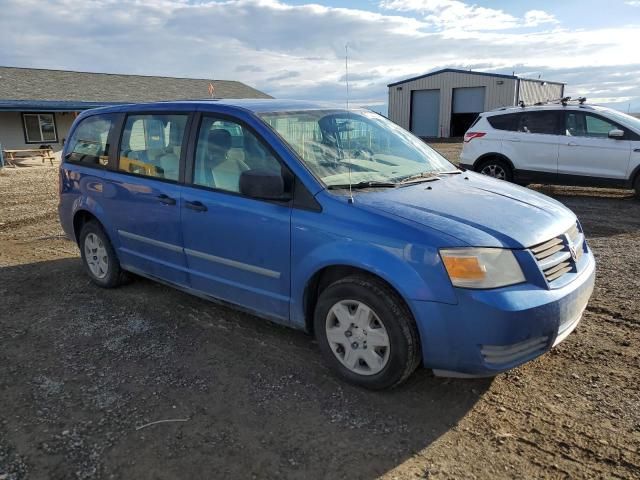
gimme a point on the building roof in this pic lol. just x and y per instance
(469, 72)
(38, 85)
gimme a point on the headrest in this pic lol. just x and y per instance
(219, 139)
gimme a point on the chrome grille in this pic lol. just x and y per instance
(560, 255)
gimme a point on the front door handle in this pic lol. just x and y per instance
(166, 199)
(637, 150)
(197, 206)
(572, 144)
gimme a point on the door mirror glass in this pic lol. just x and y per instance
(616, 133)
(263, 184)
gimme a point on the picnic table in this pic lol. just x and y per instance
(11, 155)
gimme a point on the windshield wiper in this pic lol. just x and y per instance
(361, 185)
(449, 172)
(420, 177)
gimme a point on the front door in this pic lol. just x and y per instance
(237, 248)
(588, 155)
(143, 197)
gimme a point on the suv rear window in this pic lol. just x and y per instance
(89, 142)
(508, 121)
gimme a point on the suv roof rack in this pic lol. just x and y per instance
(564, 101)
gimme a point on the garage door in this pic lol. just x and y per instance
(425, 112)
(468, 100)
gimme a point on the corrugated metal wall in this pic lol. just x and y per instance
(500, 92)
(534, 91)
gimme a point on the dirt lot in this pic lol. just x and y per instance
(82, 369)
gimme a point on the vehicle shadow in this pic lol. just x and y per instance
(244, 397)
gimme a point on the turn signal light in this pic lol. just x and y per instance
(464, 268)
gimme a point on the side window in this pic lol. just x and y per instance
(151, 145)
(580, 124)
(540, 122)
(508, 121)
(598, 127)
(224, 151)
(89, 142)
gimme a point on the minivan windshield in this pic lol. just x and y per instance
(356, 147)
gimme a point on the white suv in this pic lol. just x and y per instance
(556, 143)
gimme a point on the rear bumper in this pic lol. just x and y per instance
(491, 331)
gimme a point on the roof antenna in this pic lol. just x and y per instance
(346, 77)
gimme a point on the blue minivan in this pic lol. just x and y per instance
(334, 221)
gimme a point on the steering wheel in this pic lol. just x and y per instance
(365, 153)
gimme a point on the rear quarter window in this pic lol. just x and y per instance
(89, 143)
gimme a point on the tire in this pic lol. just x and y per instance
(375, 367)
(103, 267)
(496, 168)
(636, 187)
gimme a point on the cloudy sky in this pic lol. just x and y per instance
(295, 49)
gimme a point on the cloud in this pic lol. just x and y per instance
(285, 75)
(297, 51)
(633, 3)
(455, 14)
(249, 68)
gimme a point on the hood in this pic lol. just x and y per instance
(476, 209)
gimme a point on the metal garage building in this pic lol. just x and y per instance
(445, 103)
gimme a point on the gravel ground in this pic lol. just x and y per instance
(83, 370)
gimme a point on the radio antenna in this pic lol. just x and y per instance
(346, 78)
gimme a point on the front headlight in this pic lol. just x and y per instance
(481, 267)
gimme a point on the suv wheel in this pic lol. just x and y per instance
(496, 168)
(366, 333)
(636, 186)
(99, 258)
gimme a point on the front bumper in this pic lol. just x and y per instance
(491, 331)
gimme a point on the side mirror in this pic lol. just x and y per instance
(616, 133)
(263, 184)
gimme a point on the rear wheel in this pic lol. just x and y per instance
(636, 186)
(99, 258)
(496, 168)
(366, 333)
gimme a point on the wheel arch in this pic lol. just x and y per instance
(327, 275)
(486, 156)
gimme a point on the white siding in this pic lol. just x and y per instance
(12, 131)
(534, 91)
(499, 92)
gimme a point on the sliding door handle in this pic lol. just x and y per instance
(197, 206)
(166, 199)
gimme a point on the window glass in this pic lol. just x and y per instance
(39, 127)
(89, 142)
(357, 146)
(540, 122)
(151, 145)
(226, 149)
(580, 124)
(598, 127)
(508, 121)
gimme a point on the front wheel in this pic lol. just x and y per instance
(636, 186)
(366, 333)
(496, 168)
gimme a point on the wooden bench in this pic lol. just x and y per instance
(10, 156)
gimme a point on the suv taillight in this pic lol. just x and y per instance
(471, 135)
